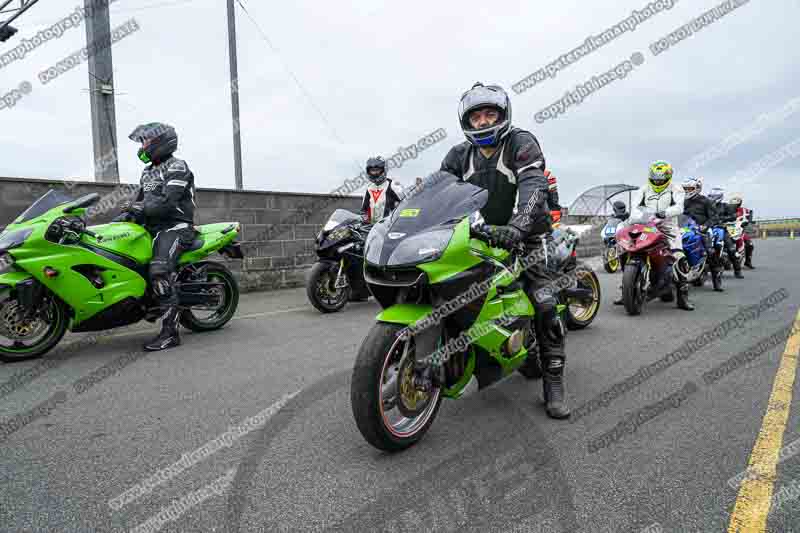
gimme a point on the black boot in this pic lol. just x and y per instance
(554, 389)
(683, 297)
(716, 280)
(170, 332)
(748, 257)
(737, 271)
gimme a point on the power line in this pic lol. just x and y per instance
(291, 73)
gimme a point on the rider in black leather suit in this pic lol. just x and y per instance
(509, 163)
(165, 206)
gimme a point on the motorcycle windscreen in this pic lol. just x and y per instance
(50, 200)
(338, 217)
(442, 201)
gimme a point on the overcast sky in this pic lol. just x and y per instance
(375, 75)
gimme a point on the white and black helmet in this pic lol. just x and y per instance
(479, 96)
(376, 170)
(691, 187)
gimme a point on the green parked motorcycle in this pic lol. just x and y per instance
(453, 308)
(56, 274)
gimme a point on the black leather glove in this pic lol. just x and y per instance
(503, 236)
(131, 212)
(661, 214)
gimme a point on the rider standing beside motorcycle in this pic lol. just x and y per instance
(622, 214)
(165, 206)
(508, 162)
(747, 216)
(382, 196)
(701, 210)
(726, 213)
(664, 199)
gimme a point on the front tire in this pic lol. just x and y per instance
(53, 321)
(376, 373)
(611, 261)
(224, 313)
(633, 288)
(321, 291)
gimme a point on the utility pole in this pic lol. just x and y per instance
(237, 138)
(101, 91)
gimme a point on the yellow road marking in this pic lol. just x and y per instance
(753, 501)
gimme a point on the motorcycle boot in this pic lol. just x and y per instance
(748, 255)
(681, 271)
(551, 331)
(169, 337)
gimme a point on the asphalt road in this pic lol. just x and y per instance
(491, 462)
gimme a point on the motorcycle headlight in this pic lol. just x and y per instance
(14, 239)
(421, 248)
(339, 234)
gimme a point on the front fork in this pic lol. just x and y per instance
(341, 276)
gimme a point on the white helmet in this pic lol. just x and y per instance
(735, 199)
(716, 194)
(691, 187)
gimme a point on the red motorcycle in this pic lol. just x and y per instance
(647, 251)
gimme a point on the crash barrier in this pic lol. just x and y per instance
(278, 229)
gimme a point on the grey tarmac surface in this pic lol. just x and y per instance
(491, 462)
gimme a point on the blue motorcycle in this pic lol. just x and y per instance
(701, 259)
(611, 254)
(695, 249)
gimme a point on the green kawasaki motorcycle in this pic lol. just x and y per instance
(454, 308)
(57, 274)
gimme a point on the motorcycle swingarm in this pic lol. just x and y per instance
(193, 293)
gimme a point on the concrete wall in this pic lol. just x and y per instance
(278, 228)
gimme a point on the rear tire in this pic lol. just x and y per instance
(587, 279)
(220, 318)
(59, 321)
(632, 290)
(324, 273)
(377, 351)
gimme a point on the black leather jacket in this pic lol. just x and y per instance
(514, 177)
(701, 209)
(167, 192)
(725, 212)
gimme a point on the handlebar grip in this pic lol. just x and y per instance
(93, 234)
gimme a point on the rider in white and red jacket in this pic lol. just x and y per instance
(382, 195)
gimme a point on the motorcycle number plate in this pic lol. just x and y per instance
(643, 237)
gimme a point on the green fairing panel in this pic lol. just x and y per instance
(10, 279)
(213, 240)
(123, 238)
(456, 257)
(71, 286)
(406, 314)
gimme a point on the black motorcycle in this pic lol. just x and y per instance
(338, 275)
